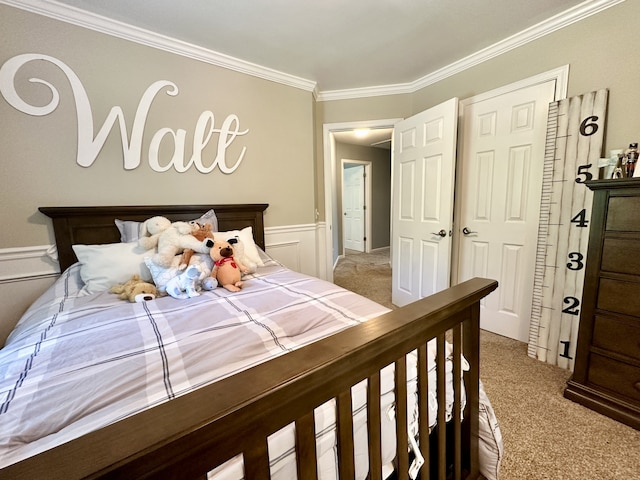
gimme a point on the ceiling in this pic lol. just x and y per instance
(338, 44)
(375, 137)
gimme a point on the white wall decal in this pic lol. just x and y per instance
(89, 146)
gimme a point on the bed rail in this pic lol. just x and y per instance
(188, 436)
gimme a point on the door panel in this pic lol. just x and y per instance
(500, 187)
(429, 256)
(353, 200)
(422, 202)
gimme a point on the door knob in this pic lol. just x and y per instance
(441, 233)
(466, 231)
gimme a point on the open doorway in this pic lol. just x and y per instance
(356, 205)
(334, 152)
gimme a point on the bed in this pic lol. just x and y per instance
(291, 377)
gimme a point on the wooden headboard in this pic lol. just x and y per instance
(96, 225)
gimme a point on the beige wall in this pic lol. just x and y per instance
(601, 51)
(354, 110)
(38, 154)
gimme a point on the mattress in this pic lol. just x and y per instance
(77, 362)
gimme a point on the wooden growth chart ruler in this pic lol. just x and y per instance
(575, 132)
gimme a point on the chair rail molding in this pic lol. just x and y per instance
(295, 246)
(26, 262)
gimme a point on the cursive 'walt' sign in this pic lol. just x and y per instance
(90, 143)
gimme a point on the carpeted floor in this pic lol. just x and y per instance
(546, 436)
(366, 274)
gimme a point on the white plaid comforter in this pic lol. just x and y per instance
(77, 363)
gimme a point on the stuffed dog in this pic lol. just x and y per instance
(184, 285)
(227, 270)
(135, 290)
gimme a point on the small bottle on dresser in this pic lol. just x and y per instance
(631, 157)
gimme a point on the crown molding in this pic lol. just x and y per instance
(75, 16)
(561, 20)
(98, 23)
(350, 93)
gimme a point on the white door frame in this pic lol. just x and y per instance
(560, 75)
(367, 201)
(330, 187)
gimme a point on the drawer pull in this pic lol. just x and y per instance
(637, 386)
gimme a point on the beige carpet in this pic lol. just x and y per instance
(366, 274)
(546, 436)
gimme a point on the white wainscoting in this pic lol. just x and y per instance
(299, 247)
(25, 273)
(295, 246)
(26, 262)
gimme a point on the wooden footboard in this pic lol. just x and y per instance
(188, 436)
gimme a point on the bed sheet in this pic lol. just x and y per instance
(75, 363)
(282, 443)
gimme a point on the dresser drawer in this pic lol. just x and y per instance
(624, 214)
(617, 335)
(621, 255)
(616, 376)
(618, 296)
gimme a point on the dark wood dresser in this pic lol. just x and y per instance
(607, 366)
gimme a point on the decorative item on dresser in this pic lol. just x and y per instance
(607, 369)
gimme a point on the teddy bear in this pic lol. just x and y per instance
(204, 231)
(135, 290)
(184, 285)
(176, 239)
(238, 254)
(227, 270)
(151, 230)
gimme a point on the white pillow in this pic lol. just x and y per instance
(102, 266)
(246, 237)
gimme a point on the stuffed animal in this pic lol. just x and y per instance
(184, 285)
(204, 231)
(135, 290)
(151, 230)
(238, 253)
(176, 239)
(227, 270)
(208, 282)
(205, 263)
